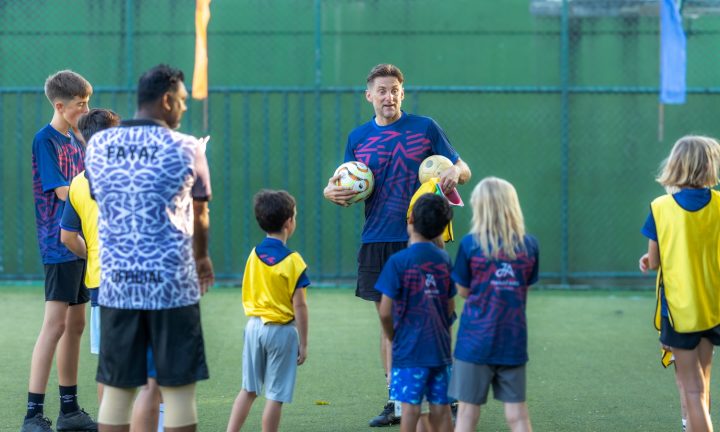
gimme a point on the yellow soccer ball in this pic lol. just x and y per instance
(432, 166)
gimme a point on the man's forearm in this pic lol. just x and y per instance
(464, 173)
(201, 229)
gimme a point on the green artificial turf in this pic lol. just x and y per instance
(594, 364)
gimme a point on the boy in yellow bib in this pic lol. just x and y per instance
(273, 297)
(683, 229)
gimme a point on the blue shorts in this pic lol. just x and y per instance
(409, 385)
(151, 371)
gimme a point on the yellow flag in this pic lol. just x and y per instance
(200, 74)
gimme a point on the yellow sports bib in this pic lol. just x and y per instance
(689, 243)
(267, 290)
(87, 209)
(432, 186)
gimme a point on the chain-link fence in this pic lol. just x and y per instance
(559, 97)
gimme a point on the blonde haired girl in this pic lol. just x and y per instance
(497, 224)
(496, 263)
(683, 229)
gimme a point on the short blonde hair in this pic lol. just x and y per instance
(497, 222)
(693, 162)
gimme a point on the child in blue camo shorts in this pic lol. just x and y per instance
(416, 311)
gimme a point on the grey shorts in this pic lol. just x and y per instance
(471, 382)
(270, 359)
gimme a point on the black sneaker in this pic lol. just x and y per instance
(76, 421)
(387, 417)
(453, 410)
(39, 423)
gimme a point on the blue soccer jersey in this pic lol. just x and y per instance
(144, 178)
(417, 279)
(56, 159)
(394, 153)
(493, 326)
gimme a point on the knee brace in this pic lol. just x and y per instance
(116, 406)
(180, 406)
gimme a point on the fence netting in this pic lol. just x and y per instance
(559, 97)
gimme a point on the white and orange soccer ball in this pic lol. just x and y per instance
(432, 166)
(356, 176)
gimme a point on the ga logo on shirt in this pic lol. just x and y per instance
(505, 270)
(430, 285)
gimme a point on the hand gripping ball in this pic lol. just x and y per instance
(356, 176)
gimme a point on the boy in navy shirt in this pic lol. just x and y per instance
(416, 313)
(57, 157)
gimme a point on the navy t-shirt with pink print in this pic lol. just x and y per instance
(56, 159)
(394, 153)
(493, 324)
(417, 279)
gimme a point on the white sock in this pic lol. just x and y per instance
(160, 418)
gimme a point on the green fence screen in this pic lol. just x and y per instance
(559, 99)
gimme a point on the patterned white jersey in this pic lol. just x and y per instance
(144, 178)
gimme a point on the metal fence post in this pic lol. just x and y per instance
(20, 173)
(227, 178)
(2, 198)
(129, 52)
(318, 136)
(564, 139)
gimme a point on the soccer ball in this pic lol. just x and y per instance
(358, 177)
(432, 166)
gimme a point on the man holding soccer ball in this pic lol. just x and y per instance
(392, 144)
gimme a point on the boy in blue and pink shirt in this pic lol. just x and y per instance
(57, 157)
(416, 311)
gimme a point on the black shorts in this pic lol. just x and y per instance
(175, 336)
(371, 259)
(64, 282)
(687, 341)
